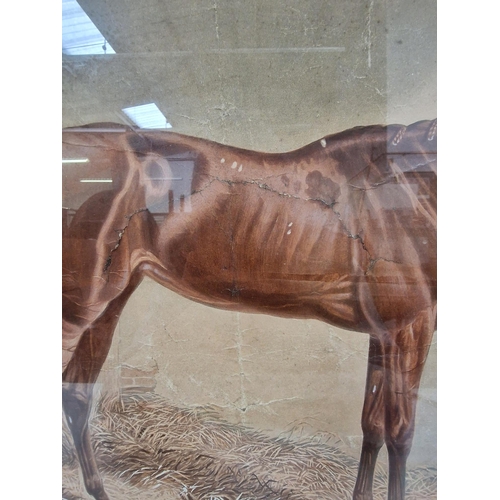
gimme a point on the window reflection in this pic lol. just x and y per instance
(90, 172)
(80, 36)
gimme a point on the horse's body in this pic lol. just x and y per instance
(342, 230)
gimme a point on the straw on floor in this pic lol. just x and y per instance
(150, 450)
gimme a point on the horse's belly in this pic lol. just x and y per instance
(286, 257)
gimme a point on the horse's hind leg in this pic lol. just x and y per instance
(372, 423)
(78, 383)
(404, 362)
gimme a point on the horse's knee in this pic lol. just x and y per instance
(76, 396)
(399, 435)
(373, 423)
(76, 402)
(398, 448)
(373, 431)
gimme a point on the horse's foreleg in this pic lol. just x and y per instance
(404, 363)
(78, 382)
(372, 423)
(77, 400)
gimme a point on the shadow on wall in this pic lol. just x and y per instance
(151, 450)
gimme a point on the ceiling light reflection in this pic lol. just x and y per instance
(96, 180)
(75, 160)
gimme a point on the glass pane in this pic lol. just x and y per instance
(258, 281)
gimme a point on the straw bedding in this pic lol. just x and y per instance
(150, 450)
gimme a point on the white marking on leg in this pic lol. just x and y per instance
(241, 168)
(222, 160)
(234, 165)
(323, 142)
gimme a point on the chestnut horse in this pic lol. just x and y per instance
(342, 230)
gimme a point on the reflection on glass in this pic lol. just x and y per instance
(80, 35)
(147, 116)
(342, 230)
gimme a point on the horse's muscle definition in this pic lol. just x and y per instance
(342, 230)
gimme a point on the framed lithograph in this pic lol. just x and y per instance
(249, 249)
